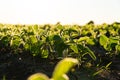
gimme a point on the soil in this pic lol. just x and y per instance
(21, 66)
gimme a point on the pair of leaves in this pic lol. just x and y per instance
(57, 42)
(108, 43)
(60, 70)
(87, 40)
(80, 48)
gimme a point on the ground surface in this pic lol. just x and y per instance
(21, 66)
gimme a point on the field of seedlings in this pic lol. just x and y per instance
(60, 52)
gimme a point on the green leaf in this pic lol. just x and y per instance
(33, 39)
(45, 53)
(83, 39)
(103, 40)
(117, 47)
(63, 67)
(72, 30)
(15, 42)
(35, 28)
(74, 48)
(92, 55)
(26, 46)
(114, 40)
(98, 72)
(108, 64)
(5, 40)
(60, 27)
(57, 38)
(85, 50)
(60, 47)
(64, 77)
(91, 42)
(38, 76)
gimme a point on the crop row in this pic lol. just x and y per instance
(88, 43)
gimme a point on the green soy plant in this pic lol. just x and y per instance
(59, 72)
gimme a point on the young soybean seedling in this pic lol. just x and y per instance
(59, 72)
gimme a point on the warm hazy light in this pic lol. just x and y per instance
(64, 11)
